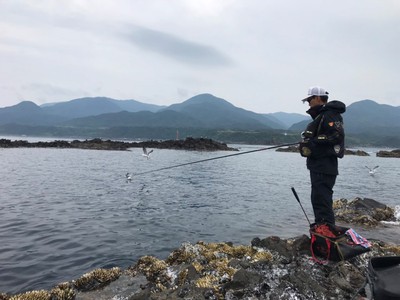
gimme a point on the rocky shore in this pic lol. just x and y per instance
(267, 268)
(196, 144)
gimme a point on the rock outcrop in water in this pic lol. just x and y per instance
(393, 153)
(197, 144)
(382, 153)
(288, 149)
(355, 152)
(268, 268)
(346, 152)
(367, 212)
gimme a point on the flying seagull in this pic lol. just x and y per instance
(128, 177)
(145, 153)
(373, 170)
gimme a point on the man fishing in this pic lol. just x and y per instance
(323, 144)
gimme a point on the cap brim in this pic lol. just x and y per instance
(306, 99)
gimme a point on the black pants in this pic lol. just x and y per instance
(321, 197)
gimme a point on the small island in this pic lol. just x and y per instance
(196, 144)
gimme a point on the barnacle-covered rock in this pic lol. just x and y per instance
(96, 279)
(394, 249)
(206, 266)
(63, 291)
(155, 270)
(207, 281)
(32, 295)
(4, 296)
(340, 204)
(271, 268)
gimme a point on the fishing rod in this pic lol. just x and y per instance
(218, 157)
(298, 200)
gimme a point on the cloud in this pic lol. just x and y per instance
(261, 56)
(177, 48)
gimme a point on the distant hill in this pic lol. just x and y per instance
(84, 107)
(367, 116)
(215, 112)
(27, 113)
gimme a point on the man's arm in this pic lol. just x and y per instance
(331, 131)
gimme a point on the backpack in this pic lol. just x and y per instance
(384, 277)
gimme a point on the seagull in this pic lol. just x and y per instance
(373, 170)
(128, 177)
(145, 153)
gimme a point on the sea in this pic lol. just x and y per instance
(65, 212)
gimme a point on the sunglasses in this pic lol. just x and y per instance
(309, 99)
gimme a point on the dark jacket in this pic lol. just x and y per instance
(326, 137)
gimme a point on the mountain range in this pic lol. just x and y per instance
(201, 111)
(203, 114)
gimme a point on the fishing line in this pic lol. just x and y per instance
(214, 158)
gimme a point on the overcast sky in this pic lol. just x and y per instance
(260, 55)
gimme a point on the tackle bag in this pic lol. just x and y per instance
(336, 243)
(384, 277)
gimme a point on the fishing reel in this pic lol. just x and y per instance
(306, 135)
(304, 148)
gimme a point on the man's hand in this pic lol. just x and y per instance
(306, 135)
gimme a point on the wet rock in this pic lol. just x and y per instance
(122, 288)
(393, 153)
(272, 279)
(367, 212)
(346, 276)
(285, 247)
(357, 152)
(271, 268)
(242, 282)
(288, 149)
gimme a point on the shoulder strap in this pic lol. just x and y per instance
(315, 125)
(319, 124)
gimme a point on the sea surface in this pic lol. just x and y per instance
(65, 212)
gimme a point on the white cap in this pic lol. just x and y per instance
(315, 91)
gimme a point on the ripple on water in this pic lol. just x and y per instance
(55, 228)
